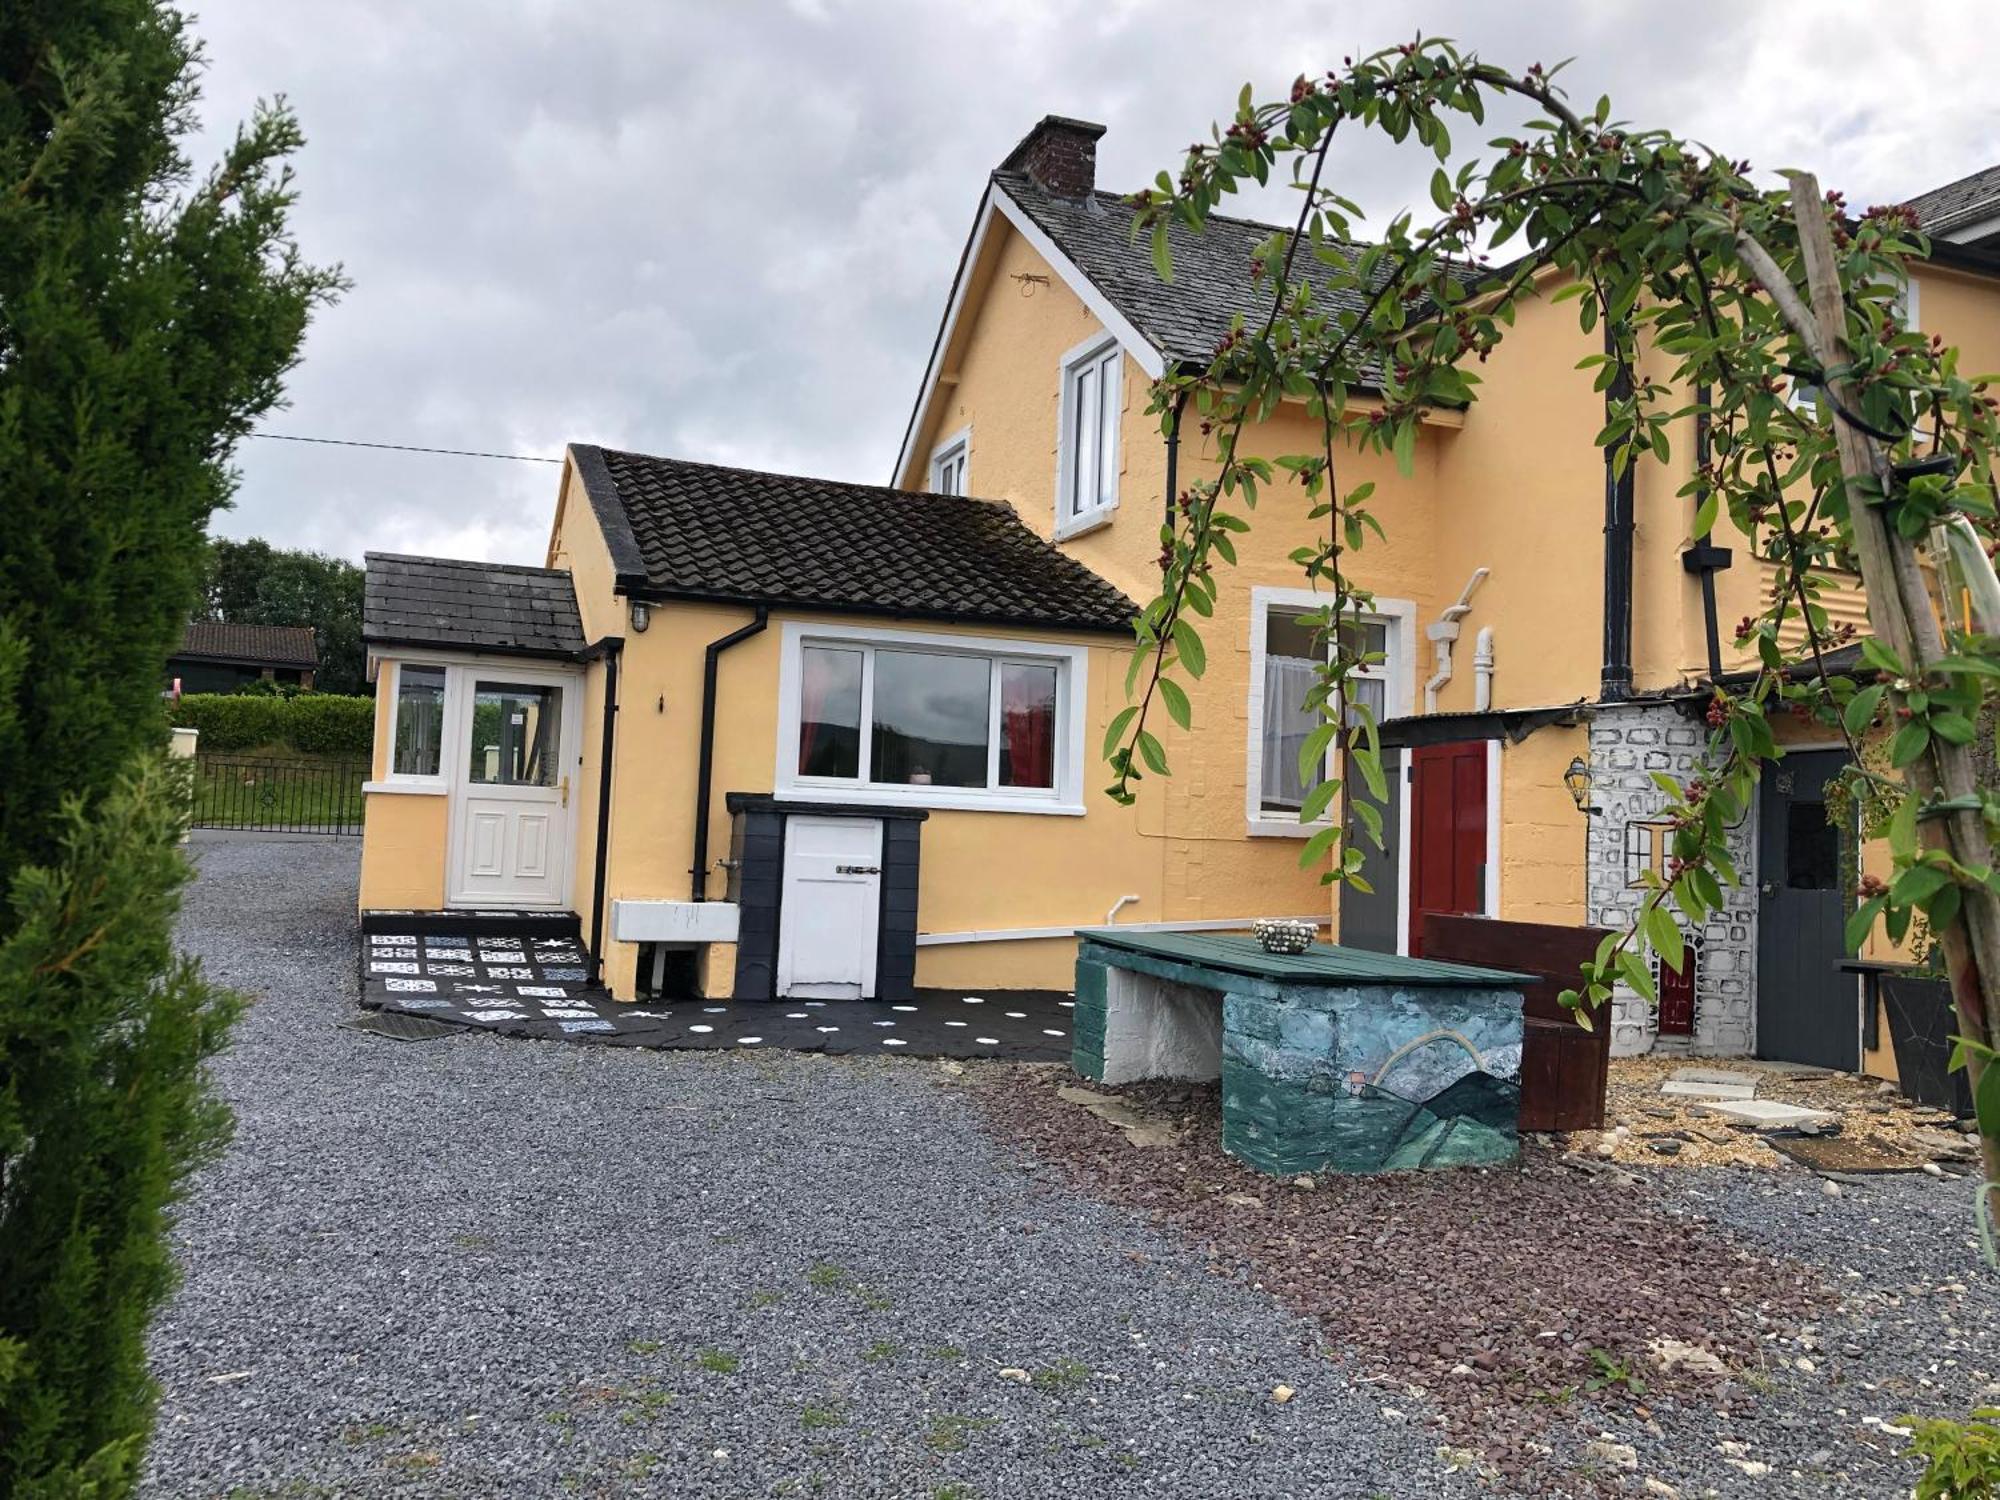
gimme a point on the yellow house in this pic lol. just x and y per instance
(854, 733)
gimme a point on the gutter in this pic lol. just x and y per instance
(1615, 680)
(705, 771)
(607, 741)
(1174, 461)
(1701, 555)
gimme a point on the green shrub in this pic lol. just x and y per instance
(1961, 1459)
(317, 723)
(232, 722)
(329, 724)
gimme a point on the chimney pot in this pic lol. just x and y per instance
(1060, 155)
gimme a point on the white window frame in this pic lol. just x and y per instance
(956, 449)
(1103, 353)
(461, 671)
(1397, 672)
(1065, 798)
(437, 784)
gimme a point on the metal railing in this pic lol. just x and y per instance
(278, 796)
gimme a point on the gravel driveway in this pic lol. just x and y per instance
(479, 1267)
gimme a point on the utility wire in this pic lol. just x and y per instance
(518, 458)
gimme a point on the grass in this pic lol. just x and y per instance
(826, 1277)
(947, 1351)
(878, 1352)
(819, 1418)
(1063, 1375)
(645, 1346)
(718, 1361)
(950, 1432)
(278, 786)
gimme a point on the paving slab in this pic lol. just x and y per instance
(1713, 1075)
(1765, 1112)
(1690, 1088)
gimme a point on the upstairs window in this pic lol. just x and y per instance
(948, 466)
(1087, 469)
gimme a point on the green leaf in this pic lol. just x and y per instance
(1910, 742)
(1176, 699)
(1862, 922)
(1163, 255)
(1952, 727)
(1405, 447)
(1152, 753)
(1664, 933)
(1860, 710)
(1115, 732)
(1986, 1100)
(1187, 641)
(1317, 846)
(1318, 800)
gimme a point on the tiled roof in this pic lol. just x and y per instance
(469, 606)
(264, 645)
(1186, 318)
(699, 531)
(1965, 201)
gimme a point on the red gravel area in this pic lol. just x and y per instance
(1504, 1297)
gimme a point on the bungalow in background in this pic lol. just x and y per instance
(215, 656)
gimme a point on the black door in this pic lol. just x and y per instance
(1807, 1010)
(1368, 920)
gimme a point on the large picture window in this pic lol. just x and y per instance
(1289, 647)
(927, 719)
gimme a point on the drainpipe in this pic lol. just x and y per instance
(705, 770)
(1482, 669)
(1174, 461)
(1615, 682)
(606, 742)
(1702, 556)
(1443, 633)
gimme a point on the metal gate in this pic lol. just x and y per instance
(278, 796)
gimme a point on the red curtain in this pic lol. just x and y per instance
(1028, 724)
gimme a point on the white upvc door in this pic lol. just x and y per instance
(830, 909)
(513, 747)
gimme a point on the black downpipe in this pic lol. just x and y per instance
(1174, 462)
(1702, 555)
(705, 771)
(606, 742)
(1615, 684)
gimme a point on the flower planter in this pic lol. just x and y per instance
(1921, 1021)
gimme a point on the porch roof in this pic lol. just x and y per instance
(450, 604)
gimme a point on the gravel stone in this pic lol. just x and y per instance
(476, 1266)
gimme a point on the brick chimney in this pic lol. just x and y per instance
(1060, 154)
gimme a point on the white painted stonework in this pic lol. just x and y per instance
(1628, 743)
(1154, 1028)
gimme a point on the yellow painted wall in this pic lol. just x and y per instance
(403, 852)
(1542, 835)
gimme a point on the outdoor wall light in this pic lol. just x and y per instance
(1577, 779)
(642, 616)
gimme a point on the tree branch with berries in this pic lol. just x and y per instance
(1753, 296)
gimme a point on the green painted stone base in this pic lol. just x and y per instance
(1086, 1051)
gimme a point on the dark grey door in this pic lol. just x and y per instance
(1369, 921)
(1807, 1010)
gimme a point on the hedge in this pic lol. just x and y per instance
(318, 723)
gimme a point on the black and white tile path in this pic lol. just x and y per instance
(537, 988)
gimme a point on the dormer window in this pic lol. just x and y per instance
(948, 464)
(1087, 449)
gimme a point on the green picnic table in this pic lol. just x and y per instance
(1334, 1059)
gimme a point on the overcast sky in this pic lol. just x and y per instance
(726, 230)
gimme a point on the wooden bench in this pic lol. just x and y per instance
(1333, 1059)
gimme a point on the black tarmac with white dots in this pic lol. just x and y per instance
(523, 983)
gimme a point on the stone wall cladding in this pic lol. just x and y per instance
(1628, 744)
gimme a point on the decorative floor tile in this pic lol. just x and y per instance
(502, 956)
(478, 989)
(542, 991)
(453, 971)
(503, 971)
(418, 1002)
(496, 1015)
(397, 950)
(567, 1013)
(413, 986)
(393, 967)
(576, 1026)
(463, 955)
(565, 973)
(391, 939)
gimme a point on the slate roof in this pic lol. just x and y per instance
(470, 606)
(1186, 318)
(259, 645)
(1965, 201)
(699, 531)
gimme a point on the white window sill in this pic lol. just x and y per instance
(1278, 826)
(936, 798)
(1088, 521)
(406, 788)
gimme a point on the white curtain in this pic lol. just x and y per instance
(1287, 723)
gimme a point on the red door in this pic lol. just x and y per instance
(1447, 832)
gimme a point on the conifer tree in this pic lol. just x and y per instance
(147, 319)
